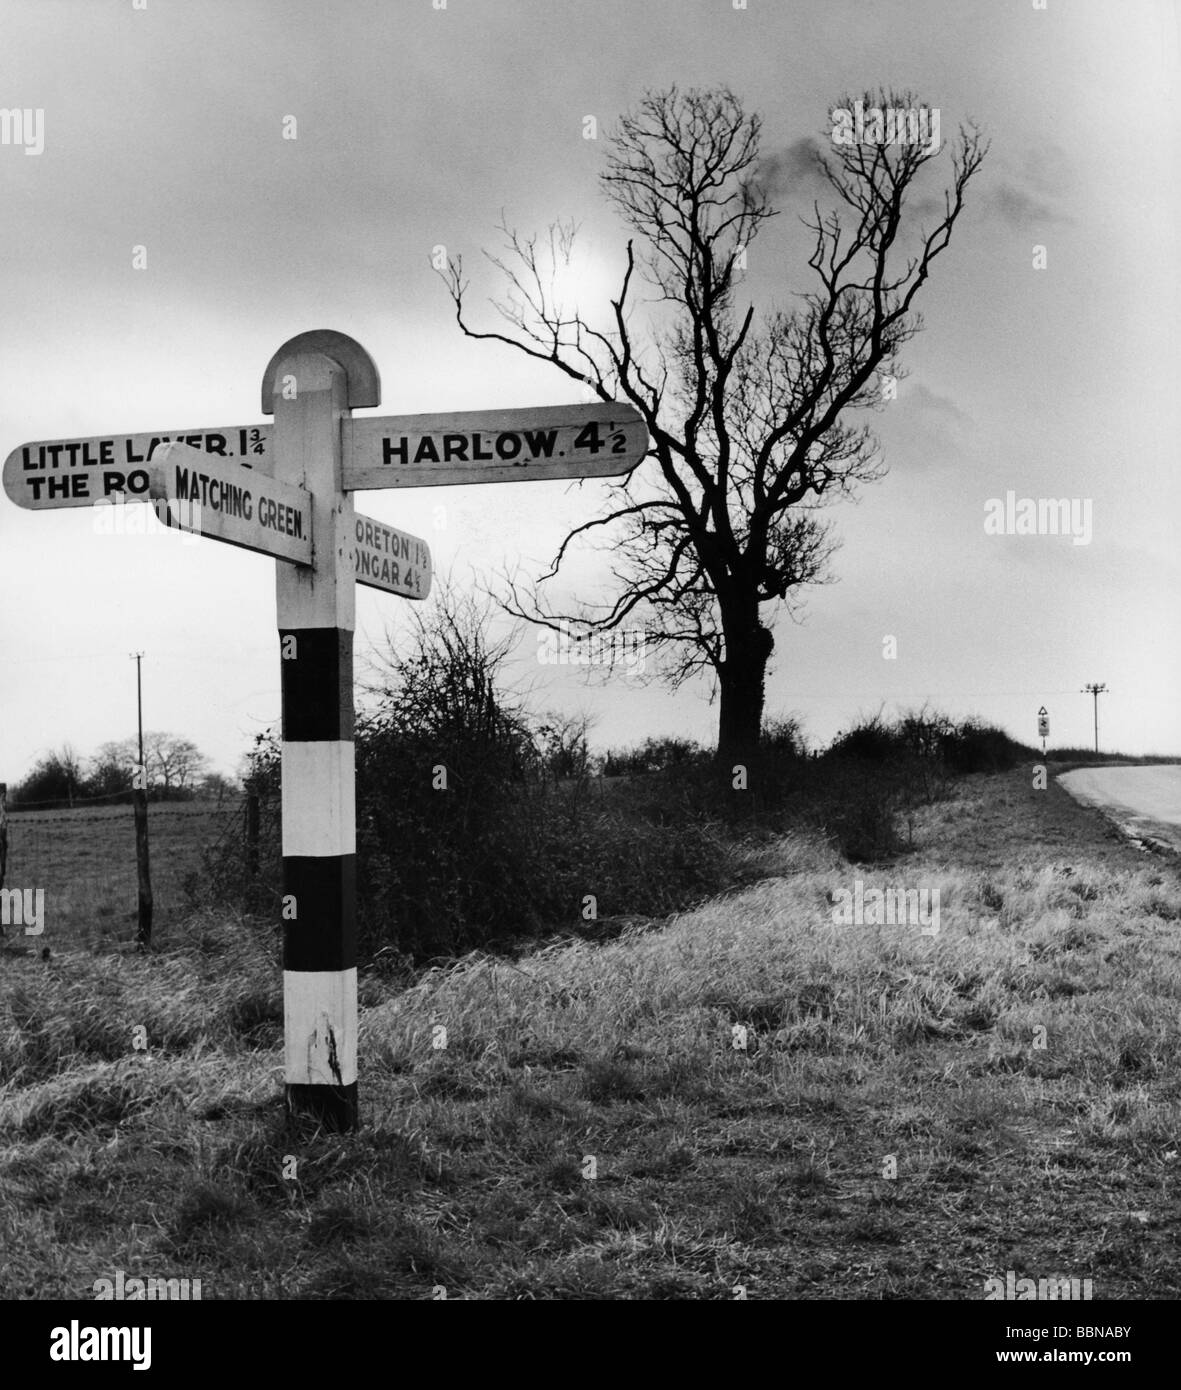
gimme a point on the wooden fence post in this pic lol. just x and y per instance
(143, 932)
(252, 826)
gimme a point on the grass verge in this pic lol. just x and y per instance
(590, 1130)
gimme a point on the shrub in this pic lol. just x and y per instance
(974, 746)
(475, 828)
(871, 741)
(653, 755)
(480, 828)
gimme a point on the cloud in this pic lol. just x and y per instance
(921, 430)
(791, 170)
(922, 400)
(1019, 208)
(1023, 196)
(1033, 195)
(1048, 169)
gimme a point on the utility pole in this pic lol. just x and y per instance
(1096, 690)
(139, 783)
(3, 832)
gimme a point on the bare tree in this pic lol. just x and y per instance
(110, 769)
(176, 762)
(562, 743)
(172, 763)
(749, 424)
(57, 777)
(441, 679)
(70, 762)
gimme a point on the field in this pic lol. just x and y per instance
(85, 861)
(586, 1128)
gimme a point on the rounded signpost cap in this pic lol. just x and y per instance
(364, 382)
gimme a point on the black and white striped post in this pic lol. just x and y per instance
(310, 385)
(219, 483)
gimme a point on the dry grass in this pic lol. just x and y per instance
(713, 1167)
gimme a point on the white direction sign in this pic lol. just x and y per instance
(492, 446)
(1043, 723)
(115, 467)
(216, 497)
(385, 558)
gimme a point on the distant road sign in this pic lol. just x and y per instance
(81, 472)
(385, 558)
(492, 446)
(1043, 723)
(216, 497)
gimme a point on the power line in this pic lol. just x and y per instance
(1096, 690)
(173, 656)
(877, 693)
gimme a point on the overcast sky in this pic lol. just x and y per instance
(163, 127)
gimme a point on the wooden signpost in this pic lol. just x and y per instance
(493, 446)
(391, 560)
(220, 499)
(284, 490)
(81, 472)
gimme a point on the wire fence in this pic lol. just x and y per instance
(173, 810)
(84, 861)
(157, 795)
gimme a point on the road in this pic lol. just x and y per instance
(1144, 801)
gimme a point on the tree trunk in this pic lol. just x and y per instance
(741, 683)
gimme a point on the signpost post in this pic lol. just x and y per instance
(1043, 727)
(310, 394)
(284, 490)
